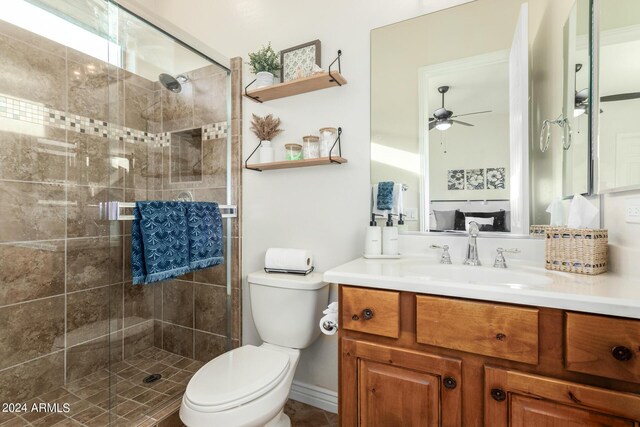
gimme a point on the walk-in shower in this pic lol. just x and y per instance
(85, 119)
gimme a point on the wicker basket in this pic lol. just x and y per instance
(538, 231)
(573, 250)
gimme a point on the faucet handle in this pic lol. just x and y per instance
(445, 258)
(500, 262)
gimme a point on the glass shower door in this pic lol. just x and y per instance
(85, 120)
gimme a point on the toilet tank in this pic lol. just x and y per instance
(287, 308)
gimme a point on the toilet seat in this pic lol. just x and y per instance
(235, 378)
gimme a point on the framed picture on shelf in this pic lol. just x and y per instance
(298, 61)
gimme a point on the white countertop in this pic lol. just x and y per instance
(603, 294)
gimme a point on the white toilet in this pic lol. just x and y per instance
(249, 386)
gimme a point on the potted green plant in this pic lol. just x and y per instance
(264, 63)
(265, 128)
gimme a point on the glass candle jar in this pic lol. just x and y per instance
(310, 147)
(327, 139)
(294, 151)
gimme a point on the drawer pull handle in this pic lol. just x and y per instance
(621, 353)
(355, 317)
(501, 337)
(449, 383)
(498, 394)
(367, 314)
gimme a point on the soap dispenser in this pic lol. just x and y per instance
(401, 224)
(373, 238)
(390, 238)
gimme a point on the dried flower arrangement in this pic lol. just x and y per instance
(265, 128)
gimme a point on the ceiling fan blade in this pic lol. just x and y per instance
(469, 114)
(432, 125)
(620, 97)
(462, 123)
(431, 119)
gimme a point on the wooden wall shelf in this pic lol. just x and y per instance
(296, 87)
(287, 164)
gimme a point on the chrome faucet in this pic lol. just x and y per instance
(472, 247)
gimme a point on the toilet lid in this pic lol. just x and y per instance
(236, 377)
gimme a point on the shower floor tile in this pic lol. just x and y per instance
(132, 401)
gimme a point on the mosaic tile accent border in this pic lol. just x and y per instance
(214, 131)
(17, 109)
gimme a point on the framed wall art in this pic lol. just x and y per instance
(298, 61)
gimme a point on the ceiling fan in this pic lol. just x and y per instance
(582, 98)
(443, 119)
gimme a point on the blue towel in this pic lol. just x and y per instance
(159, 241)
(205, 235)
(385, 195)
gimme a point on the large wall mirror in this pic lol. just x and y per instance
(458, 98)
(619, 90)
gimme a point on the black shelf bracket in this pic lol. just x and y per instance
(339, 146)
(246, 162)
(255, 98)
(332, 79)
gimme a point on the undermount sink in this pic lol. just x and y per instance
(477, 275)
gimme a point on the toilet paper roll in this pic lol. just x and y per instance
(288, 259)
(329, 324)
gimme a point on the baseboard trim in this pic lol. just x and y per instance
(315, 396)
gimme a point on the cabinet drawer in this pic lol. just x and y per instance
(371, 311)
(490, 329)
(603, 346)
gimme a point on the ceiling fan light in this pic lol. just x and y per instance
(443, 124)
(579, 110)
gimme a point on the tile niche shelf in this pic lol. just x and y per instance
(312, 83)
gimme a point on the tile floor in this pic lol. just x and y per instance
(135, 403)
(308, 416)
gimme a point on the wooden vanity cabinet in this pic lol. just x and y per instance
(387, 386)
(409, 359)
(518, 399)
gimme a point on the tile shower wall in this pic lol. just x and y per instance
(190, 313)
(67, 305)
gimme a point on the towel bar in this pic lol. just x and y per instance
(112, 211)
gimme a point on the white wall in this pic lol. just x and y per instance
(326, 208)
(486, 145)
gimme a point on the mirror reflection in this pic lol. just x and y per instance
(619, 84)
(450, 116)
(575, 160)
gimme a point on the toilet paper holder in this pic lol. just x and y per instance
(328, 325)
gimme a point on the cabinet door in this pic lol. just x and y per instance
(393, 396)
(518, 399)
(388, 386)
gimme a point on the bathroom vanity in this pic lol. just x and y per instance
(427, 344)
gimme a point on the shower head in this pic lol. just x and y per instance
(170, 83)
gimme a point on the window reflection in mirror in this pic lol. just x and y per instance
(619, 84)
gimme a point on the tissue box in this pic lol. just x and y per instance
(575, 250)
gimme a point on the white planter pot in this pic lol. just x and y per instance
(264, 78)
(266, 152)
